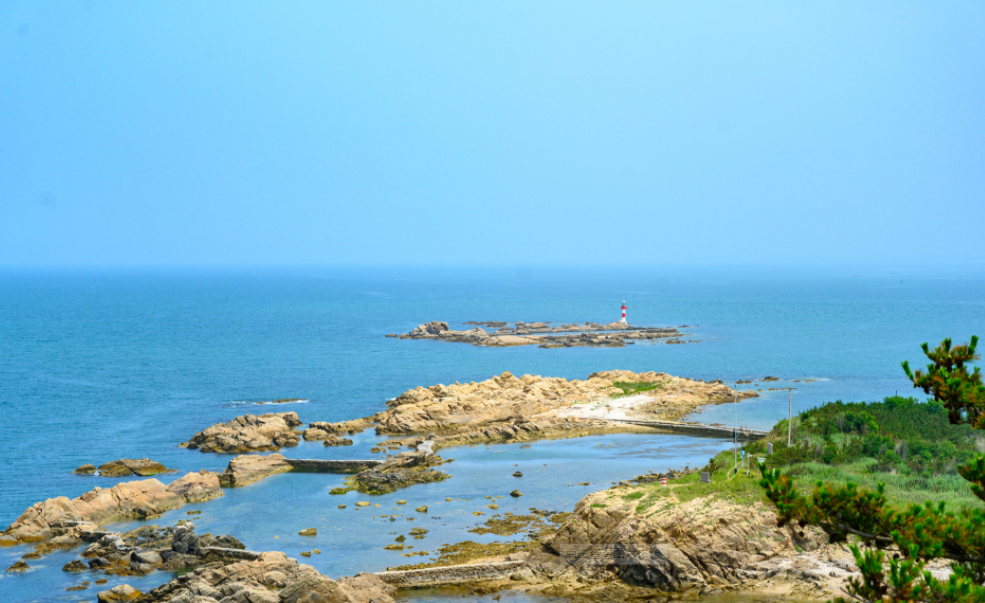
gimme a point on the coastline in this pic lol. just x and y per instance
(504, 408)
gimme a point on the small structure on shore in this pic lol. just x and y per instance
(622, 320)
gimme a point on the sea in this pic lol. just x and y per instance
(98, 365)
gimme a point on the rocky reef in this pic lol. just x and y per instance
(60, 522)
(249, 433)
(124, 468)
(543, 334)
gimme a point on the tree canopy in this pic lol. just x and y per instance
(892, 545)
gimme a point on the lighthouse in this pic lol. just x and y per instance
(622, 320)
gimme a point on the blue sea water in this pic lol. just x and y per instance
(98, 366)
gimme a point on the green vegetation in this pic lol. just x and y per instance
(631, 388)
(920, 444)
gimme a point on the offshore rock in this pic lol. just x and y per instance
(255, 581)
(87, 469)
(249, 433)
(125, 467)
(403, 470)
(67, 519)
(543, 334)
(248, 468)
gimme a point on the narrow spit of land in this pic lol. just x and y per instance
(546, 334)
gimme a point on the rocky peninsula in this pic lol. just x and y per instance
(544, 335)
(502, 408)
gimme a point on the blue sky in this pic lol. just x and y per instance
(514, 133)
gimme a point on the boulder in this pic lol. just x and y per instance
(308, 532)
(152, 558)
(20, 566)
(122, 592)
(87, 469)
(197, 487)
(75, 565)
(516, 494)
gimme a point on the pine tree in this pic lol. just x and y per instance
(893, 545)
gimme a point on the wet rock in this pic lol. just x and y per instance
(492, 506)
(422, 509)
(308, 532)
(87, 469)
(305, 553)
(75, 565)
(125, 467)
(517, 474)
(516, 494)
(19, 566)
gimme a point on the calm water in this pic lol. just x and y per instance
(95, 367)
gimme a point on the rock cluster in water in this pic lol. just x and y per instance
(124, 468)
(543, 334)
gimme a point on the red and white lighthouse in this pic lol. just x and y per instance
(622, 320)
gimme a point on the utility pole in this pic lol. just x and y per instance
(789, 414)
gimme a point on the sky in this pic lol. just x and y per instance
(491, 133)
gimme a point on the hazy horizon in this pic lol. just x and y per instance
(492, 134)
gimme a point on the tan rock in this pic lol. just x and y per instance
(248, 468)
(122, 592)
(257, 581)
(61, 516)
(308, 532)
(249, 433)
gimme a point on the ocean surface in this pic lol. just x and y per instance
(97, 366)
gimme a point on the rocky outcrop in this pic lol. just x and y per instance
(673, 546)
(270, 578)
(248, 468)
(126, 467)
(66, 518)
(510, 408)
(150, 548)
(249, 433)
(543, 334)
(403, 470)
